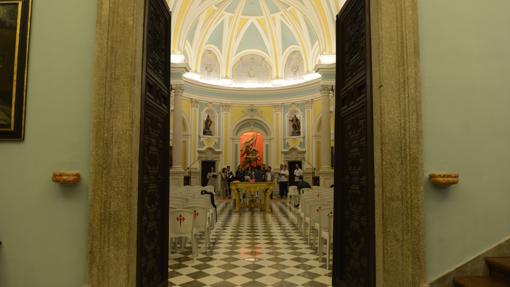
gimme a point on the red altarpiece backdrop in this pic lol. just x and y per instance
(252, 149)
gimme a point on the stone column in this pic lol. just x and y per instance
(227, 135)
(177, 171)
(195, 132)
(307, 164)
(177, 132)
(325, 169)
(278, 136)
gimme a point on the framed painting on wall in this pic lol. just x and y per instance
(14, 35)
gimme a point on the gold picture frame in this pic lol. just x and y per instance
(15, 16)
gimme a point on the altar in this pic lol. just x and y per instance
(252, 195)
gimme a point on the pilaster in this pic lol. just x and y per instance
(177, 150)
(194, 131)
(326, 172)
(308, 134)
(227, 134)
(278, 136)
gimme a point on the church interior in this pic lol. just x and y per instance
(187, 143)
(246, 104)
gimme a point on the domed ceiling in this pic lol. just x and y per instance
(253, 41)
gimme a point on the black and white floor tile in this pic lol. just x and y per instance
(251, 249)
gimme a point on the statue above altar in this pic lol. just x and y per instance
(252, 146)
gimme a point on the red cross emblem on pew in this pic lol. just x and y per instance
(180, 219)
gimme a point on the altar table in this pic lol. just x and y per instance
(251, 190)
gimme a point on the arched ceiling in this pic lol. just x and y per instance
(216, 36)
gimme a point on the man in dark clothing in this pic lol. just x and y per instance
(259, 174)
(239, 174)
(230, 178)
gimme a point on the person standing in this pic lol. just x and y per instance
(224, 183)
(212, 179)
(259, 174)
(247, 174)
(268, 177)
(230, 178)
(283, 180)
(298, 174)
(239, 173)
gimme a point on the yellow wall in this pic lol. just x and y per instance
(237, 113)
(316, 110)
(186, 107)
(266, 112)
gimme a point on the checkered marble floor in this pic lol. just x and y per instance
(251, 249)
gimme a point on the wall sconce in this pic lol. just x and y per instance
(444, 179)
(63, 177)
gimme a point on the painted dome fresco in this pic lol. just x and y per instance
(253, 41)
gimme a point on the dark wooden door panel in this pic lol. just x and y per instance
(354, 242)
(152, 251)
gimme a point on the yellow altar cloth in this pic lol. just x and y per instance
(251, 190)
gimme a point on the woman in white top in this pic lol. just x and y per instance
(268, 175)
(298, 174)
(212, 180)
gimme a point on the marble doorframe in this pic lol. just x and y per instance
(398, 158)
(113, 191)
(113, 194)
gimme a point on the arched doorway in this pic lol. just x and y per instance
(113, 198)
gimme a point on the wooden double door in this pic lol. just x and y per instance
(153, 178)
(354, 219)
(354, 233)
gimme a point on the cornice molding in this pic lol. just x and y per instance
(252, 101)
(246, 96)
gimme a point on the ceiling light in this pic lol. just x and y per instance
(251, 85)
(177, 59)
(327, 59)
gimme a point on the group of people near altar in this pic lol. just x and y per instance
(258, 173)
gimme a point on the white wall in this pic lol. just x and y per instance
(43, 226)
(465, 60)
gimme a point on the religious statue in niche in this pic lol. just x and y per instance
(295, 125)
(207, 126)
(249, 152)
